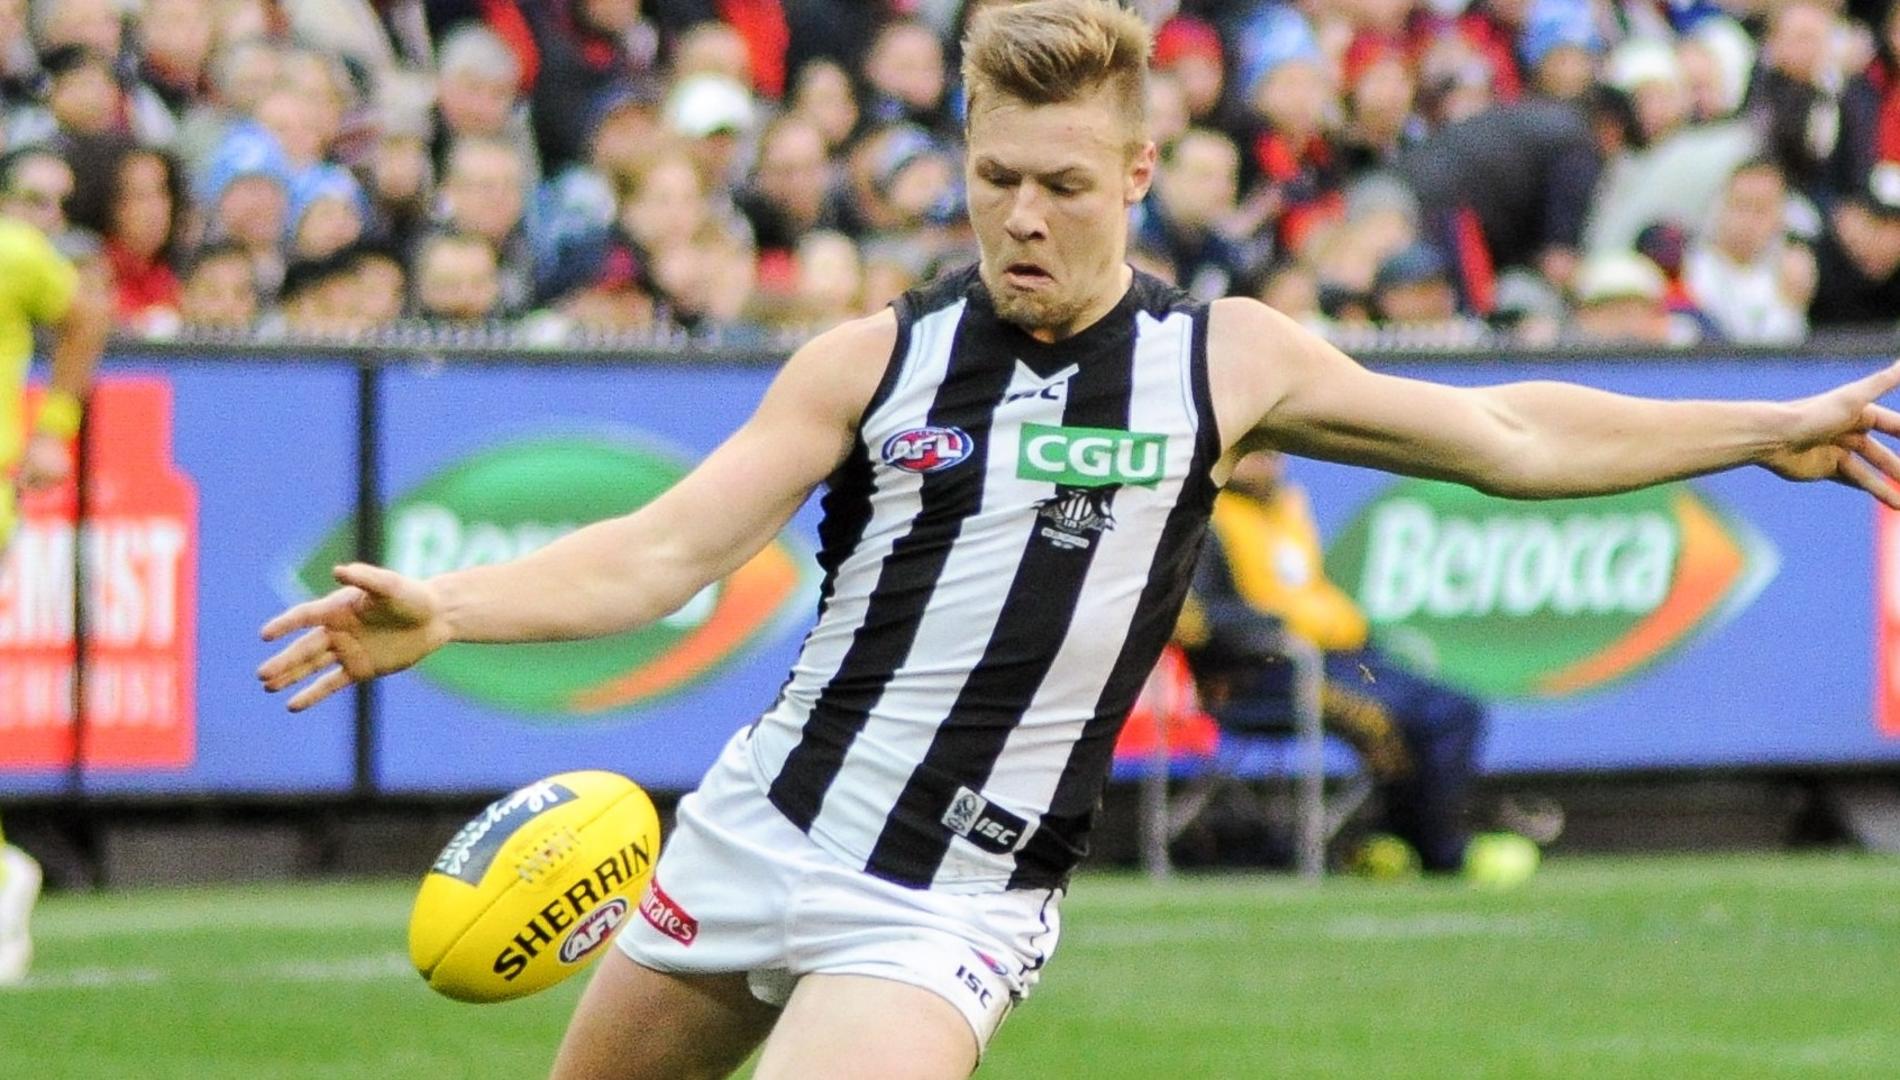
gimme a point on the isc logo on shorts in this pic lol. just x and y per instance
(983, 823)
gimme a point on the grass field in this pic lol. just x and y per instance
(1669, 967)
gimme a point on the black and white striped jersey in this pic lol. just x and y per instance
(1005, 552)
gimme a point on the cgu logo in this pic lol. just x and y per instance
(512, 499)
(594, 930)
(1091, 457)
(1545, 600)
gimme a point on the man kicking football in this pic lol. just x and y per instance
(1019, 462)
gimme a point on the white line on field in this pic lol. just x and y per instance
(1415, 927)
(368, 968)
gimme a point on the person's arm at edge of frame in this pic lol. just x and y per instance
(79, 339)
(625, 572)
(1280, 385)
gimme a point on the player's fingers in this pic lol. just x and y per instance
(1870, 480)
(277, 672)
(1884, 420)
(308, 614)
(1880, 455)
(303, 670)
(333, 680)
(374, 580)
(1880, 382)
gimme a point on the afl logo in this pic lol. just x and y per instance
(927, 449)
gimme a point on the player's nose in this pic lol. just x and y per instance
(1026, 220)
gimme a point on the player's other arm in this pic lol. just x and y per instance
(614, 575)
(1279, 384)
(628, 571)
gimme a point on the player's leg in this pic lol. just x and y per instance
(19, 889)
(635, 1023)
(860, 1027)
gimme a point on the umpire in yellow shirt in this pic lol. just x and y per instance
(1261, 571)
(39, 287)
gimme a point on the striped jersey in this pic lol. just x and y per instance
(1005, 549)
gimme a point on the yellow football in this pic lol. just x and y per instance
(532, 889)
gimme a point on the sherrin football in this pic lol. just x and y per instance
(533, 888)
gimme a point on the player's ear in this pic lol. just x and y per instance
(1141, 174)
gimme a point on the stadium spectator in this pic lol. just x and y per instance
(1622, 299)
(381, 282)
(905, 81)
(824, 97)
(1744, 271)
(1507, 188)
(715, 115)
(1291, 161)
(326, 215)
(1190, 219)
(584, 46)
(828, 280)
(175, 52)
(1380, 91)
(477, 79)
(457, 278)
(1668, 171)
(220, 290)
(133, 199)
(484, 194)
(320, 298)
(35, 186)
(1558, 40)
(788, 195)
(1189, 51)
(1796, 96)
(1859, 256)
(1413, 288)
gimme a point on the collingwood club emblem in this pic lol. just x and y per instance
(1073, 517)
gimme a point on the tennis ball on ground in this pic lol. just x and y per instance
(1500, 860)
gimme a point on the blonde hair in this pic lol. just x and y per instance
(1048, 52)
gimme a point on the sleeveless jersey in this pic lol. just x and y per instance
(1005, 549)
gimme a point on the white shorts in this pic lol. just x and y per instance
(740, 889)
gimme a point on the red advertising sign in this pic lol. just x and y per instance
(140, 551)
(1887, 622)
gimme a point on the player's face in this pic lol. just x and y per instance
(1050, 188)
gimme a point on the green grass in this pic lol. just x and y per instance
(1668, 967)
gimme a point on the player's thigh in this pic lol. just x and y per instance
(860, 1027)
(635, 1023)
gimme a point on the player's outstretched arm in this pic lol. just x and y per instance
(614, 575)
(1279, 384)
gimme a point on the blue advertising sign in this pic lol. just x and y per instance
(488, 464)
(205, 479)
(1724, 621)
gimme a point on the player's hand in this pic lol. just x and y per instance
(1834, 438)
(46, 463)
(379, 622)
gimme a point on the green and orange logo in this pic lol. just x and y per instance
(509, 500)
(1545, 600)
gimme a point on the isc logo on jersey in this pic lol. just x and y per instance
(927, 449)
(533, 886)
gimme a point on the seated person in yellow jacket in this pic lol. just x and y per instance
(1261, 571)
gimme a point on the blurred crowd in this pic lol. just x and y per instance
(1647, 171)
